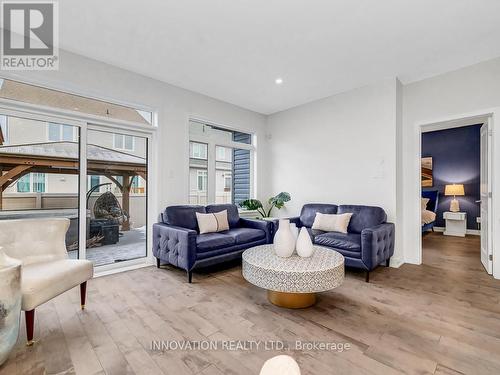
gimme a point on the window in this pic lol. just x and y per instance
(198, 150)
(227, 182)
(123, 142)
(31, 183)
(220, 164)
(94, 181)
(59, 132)
(38, 182)
(23, 184)
(4, 137)
(202, 180)
(223, 154)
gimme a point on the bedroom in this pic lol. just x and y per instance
(451, 176)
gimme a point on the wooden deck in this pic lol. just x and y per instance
(442, 317)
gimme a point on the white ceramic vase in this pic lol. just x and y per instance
(295, 230)
(10, 303)
(284, 241)
(304, 244)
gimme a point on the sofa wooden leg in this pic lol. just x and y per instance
(157, 262)
(83, 294)
(388, 262)
(190, 277)
(367, 277)
(30, 326)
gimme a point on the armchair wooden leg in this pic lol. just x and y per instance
(157, 262)
(83, 294)
(30, 326)
(190, 277)
(388, 262)
(367, 278)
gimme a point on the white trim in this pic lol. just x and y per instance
(472, 232)
(111, 269)
(414, 253)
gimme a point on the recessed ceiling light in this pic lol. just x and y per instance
(278, 81)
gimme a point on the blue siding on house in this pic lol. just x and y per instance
(456, 157)
(241, 169)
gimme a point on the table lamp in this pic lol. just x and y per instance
(454, 189)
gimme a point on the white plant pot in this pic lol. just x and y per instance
(284, 241)
(10, 303)
(304, 244)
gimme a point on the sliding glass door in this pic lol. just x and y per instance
(94, 175)
(116, 196)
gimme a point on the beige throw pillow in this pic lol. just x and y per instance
(423, 203)
(332, 222)
(213, 222)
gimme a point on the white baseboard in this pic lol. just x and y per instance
(396, 262)
(471, 232)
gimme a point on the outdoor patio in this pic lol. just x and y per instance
(132, 245)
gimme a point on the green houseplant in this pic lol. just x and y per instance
(277, 201)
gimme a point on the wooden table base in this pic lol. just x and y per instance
(291, 300)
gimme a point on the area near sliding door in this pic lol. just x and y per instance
(91, 171)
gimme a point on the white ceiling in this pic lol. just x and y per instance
(234, 50)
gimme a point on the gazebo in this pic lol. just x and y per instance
(63, 158)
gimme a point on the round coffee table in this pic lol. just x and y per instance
(293, 282)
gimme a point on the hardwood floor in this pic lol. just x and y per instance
(442, 317)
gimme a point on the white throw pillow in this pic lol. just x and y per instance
(423, 203)
(332, 222)
(213, 222)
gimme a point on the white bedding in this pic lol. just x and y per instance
(428, 217)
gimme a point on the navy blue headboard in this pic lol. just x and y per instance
(433, 196)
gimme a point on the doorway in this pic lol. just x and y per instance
(455, 192)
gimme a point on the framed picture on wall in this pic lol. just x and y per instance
(427, 180)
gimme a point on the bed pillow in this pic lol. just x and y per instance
(213, 222)
(332, 222)
(423, 203)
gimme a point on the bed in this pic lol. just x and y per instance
(429, 213)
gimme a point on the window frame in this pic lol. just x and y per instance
(31, 184)
(60, 131)
(115, 136)
(212, 142)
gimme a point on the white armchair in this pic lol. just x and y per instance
(46, 270)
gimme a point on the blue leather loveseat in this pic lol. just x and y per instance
(176, 239)
(369, 240)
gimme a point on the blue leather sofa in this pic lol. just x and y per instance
(369, 240)
(176, 239)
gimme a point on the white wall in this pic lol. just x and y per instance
(341, 149)
(174, 106)
(454, 94)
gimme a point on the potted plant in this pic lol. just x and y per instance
(278, 201)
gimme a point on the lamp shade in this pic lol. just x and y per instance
(454, 189)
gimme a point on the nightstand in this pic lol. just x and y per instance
(456, 223)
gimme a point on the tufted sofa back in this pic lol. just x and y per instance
(309, 211)
(183, 216)
(363, 217)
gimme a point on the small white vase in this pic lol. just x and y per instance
(304, 244)
(284, 241)
(10, 303)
